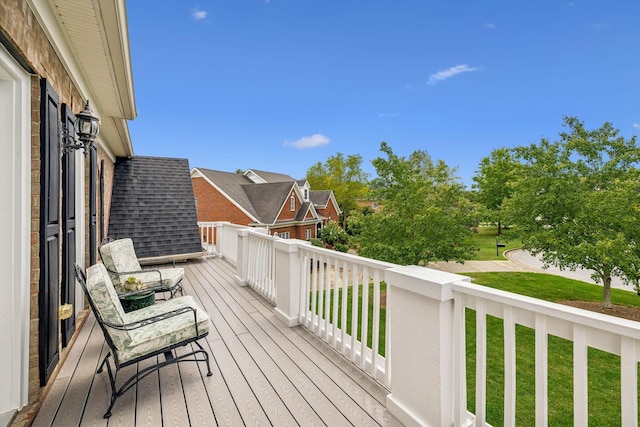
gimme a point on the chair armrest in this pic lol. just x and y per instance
(155, 319)
(125, 273)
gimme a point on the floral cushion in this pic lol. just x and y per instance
(162, 334)
(119, 256)
(106, 301)
(103, 295)
(138, 342)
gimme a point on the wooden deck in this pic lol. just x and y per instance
(264, 373)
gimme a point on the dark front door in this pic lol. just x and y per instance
(68, 227)
(48, 295)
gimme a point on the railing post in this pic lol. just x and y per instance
(421, 316)
(287, 280)
(242, 257)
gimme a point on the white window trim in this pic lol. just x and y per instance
(15, 233)
(293, 203)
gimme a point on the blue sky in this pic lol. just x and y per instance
(279, 85)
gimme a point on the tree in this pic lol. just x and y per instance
(492, 182)
(342, 175)
(334, 237)
(575, 202)
(425, 215)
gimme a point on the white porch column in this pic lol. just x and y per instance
(287, 280)
(420, 310)
(242, 257)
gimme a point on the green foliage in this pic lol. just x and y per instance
(342, 175)
(333, 235)
(316, 242)
(492, 183)
(425, 213)
(575, 201)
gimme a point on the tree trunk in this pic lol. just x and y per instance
(607, 292)
(499, 228)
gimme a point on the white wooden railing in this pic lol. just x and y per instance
(584, 328)
(261, 268)
(338, 291)
(422, 354)
(220, 239)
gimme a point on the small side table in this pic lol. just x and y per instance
(137, 301)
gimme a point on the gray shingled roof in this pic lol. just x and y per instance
(302, 212)
(153, 203)
(231, 184)
(272, 176)
(319, 197)
(268, 198)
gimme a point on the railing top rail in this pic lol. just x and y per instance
(612, 324)
(349, 257)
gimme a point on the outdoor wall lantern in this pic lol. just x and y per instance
(87, 126)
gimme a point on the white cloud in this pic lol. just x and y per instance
(450, 72)
(489, 26)
(636, 125)
(315, 140)
(198, 15)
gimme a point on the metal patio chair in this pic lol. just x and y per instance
(119, 258)
(152, 331)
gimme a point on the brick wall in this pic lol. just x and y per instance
(330, 212)
(20, 27)
(295, 232)
(286, 214)
(213, 206)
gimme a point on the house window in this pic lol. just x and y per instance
(306, 195)
(284, 235)
(307, 234)
(293, 203)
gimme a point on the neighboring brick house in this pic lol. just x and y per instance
(54, 55)
(276, 202)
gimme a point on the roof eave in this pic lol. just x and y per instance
(92, 41)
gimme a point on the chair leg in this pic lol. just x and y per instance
(170, 358)
(112, 383)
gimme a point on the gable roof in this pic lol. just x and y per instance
(302, 212)
(268, 199)
(153, 203)
(320, 197)
(268, 176)
(262, 201)
(230, 185)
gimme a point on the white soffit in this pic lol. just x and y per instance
(91, 38)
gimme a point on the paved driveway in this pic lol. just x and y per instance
(519, 260)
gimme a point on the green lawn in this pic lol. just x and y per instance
(485, 239)
(604, 368)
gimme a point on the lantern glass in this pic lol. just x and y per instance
(87, 125)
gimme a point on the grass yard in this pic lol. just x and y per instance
(325, 307)
(485, 240)
(604, 368)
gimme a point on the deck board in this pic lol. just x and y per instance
(264, 373)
